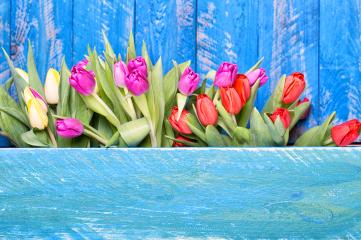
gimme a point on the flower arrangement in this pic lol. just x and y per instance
(107, 101)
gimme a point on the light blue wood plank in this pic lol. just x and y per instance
(340, 51)
(227, 31)
(47, 24)
(288, 39)
(219, 193)
(168, 28)
(115, 17)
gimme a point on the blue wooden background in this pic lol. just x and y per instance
(318, 37)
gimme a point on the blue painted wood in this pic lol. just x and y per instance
(219, 193)
(169, 30)
(114, 17)
(47, 24)
(340, 51)
(226, 31)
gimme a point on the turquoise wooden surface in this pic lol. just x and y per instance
(217, 193)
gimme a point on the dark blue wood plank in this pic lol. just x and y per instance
(340, 51)
(47, 24)
(168, 28)
(227, 31)
(114, 17)
(288, 39)
(249, 193)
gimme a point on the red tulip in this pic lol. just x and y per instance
(283, 114)
(346, 133)
(181, 125)
(206, 111)
(241, 84)
(293, 88)
(231, 100)
(179, 144)
(305, 115)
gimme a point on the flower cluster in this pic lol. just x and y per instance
(105, 100)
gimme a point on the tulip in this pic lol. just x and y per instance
(179, 144)
(305, 115)
(51, 87)
(226, 75)
(82, 64)
(82, 80)
(23, 74)
(29, 94)
(69, 127)
(188, 82)
(206, 111)
(181, 125)
(120, 73)
(137, 83)
(346, 133)
(231, 100)
(293, 88)
(284, 116)
(241, 84)
(260, 74)
(138, 64)
(37, 117)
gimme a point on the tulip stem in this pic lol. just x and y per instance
(95, 136)
(52, 138)
(234, 119)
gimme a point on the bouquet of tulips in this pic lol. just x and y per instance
(109, 101)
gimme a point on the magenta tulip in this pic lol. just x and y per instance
(188, 82)
(69, 127)
(226, 74)
(260, 74)
(137, 83)
(82, 64)
(120, 73)
(138, 64)
(82, 80)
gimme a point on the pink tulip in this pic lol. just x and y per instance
(137, 83)
(82, 64)
(138, 64)
(259, 73)
(188, 81)
(120, 73)
(69, 127)
(82, 80)
(226, 74)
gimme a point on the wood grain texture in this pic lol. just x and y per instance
(288, 39)
(226, 31)
(114, 17)
(216, 193)
(340, 57)
(168, 28)
(47, 24)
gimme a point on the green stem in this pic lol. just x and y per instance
(95, 136)
(52, 138)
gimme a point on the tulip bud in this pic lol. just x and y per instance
(69, 127)
(260, 74)
(188, 82)
(82, 80)
(51, 87)
(137, 83)
(284, 116)
(305, 115)
(346, 133)
(37, 117)
(181, 125)
(206, 111)
(231, 100)
(120, 73)
(179, 144)
(226, 75)
(82, 64)
(138, 64)
(23, 74)
(293, 88)
(241, 84)
(29, 94)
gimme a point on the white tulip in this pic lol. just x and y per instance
(37, 117)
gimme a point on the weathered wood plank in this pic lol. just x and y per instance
(47, 24)
(273, 193)
(168, 28)
(288, 39)
(227, 31)
(115, 17)
(340, 51)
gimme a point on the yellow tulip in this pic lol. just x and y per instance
(51, 87)
(30, 94)
(37, 117)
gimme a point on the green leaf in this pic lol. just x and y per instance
(243, 116)
(34, 80)
(195, 127)
(131, 53)
(254, 67)
(63, 107)
(108, 48)
(8, 83)
(227, 117)
(242, 136)
(186, 143)
(275, 101)
(147, 58)
(276, 130)
(134, 132)
(166, 142)
(260, 135)
(181, 102)
(15, 113)
(298, 112)
(213, 137)
(34, 140)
